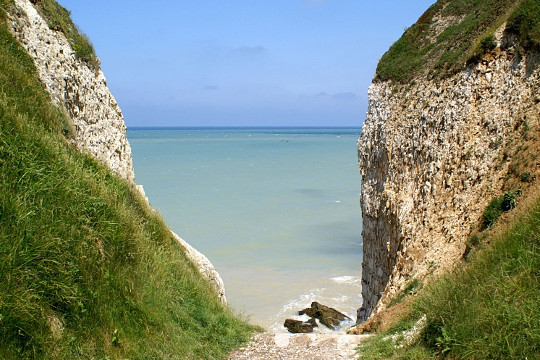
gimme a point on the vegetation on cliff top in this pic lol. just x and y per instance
(87, 269)
(424, 49)
(58, 19)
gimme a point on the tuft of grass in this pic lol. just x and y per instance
(58, 19)
(493, 211)
(87, 269)
(486, 309)
(471, 36)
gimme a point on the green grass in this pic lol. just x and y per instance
(411, 288)
(525, 22)
(383, 345)
(87, 269)
(486, 309)
(464, 42)
(58, 19)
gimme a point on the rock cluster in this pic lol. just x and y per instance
(299, 326)
(329, 317)
(432, 155)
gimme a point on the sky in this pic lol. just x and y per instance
(242, 62)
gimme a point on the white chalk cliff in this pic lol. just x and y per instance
(82, 92)
(432, 154)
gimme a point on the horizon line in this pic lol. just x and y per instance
(202, 127)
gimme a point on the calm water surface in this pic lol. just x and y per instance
(275, 210)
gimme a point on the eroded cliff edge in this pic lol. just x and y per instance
(80, 89)
(434, 151)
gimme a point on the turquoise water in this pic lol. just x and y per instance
(275, 210)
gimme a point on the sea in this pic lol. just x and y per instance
(276, 210)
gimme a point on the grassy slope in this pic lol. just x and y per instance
(414, 54)
(489, 307)
(87, 269)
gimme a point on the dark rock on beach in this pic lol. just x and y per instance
(327, 316)
(297, 326)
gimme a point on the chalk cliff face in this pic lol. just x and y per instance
(432, 154)
(83, 93)
(74, 86)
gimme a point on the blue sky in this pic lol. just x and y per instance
(242, 63)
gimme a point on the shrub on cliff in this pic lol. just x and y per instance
(497, 206)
